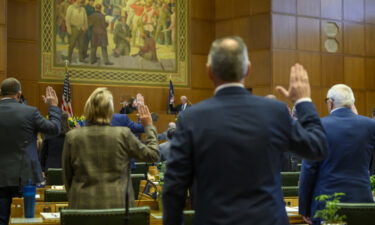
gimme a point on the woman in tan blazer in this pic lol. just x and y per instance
(96, 157)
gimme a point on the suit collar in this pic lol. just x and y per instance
(233, 90)
(342, 112)
(6, 100)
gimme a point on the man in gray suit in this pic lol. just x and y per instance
(19, 125)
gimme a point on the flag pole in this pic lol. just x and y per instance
(66, 67)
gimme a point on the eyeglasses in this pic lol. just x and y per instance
(327, 99)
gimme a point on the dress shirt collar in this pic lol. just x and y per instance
(226, 85)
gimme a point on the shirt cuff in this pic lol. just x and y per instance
(302, 100)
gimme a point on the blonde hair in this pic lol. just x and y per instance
(99, 107)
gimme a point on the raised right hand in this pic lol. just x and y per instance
(144, 115)
(299, 86)
(50, 98)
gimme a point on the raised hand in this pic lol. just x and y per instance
(144, 115)
(299, 86)
(140, 99)
(50, 98)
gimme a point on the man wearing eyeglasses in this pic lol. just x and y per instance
(351, 141)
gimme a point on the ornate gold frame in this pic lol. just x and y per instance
(51, 72)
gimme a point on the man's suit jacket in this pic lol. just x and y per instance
(234, 158)
(19, 125)
(122, 120)
(351, 140)
(178, 108)
(50, 156)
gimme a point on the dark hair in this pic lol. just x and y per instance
(229, 59)
(170, 133)
(373, 112)
(10, 86)
(64, 123)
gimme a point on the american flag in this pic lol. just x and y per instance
(66, 104)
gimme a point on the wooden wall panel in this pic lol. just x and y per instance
(354, 10)
(370, 11)
(360, 101)
(284, 31)
(223, 9)
(260, 74)
(203, 9)
(3, 40)
(223, 28)
(370, 102)
(370, 73)
(370, 37)
(284, 6)
(199, 69)
(260, 32)
(23, 60)
(24, 22)
(260, 7)
(354, 38)
(282, 62)
(203, 33)
(3, 11)
(331, 9)
(332, 70)
(312, 63)
(308, 34)
(241, 7)
(308, 8)
(354, 72)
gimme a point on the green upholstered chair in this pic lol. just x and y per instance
(140, 168)
(137, 216)
(54, 176)
(289, 178)
(358, 213)
(188, 217)
(55, 196)
(290, 191)
(136, 180)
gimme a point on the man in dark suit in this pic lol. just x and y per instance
(351, 141)
(19, 125)
(122, 120)
(232, 158)
(181, 107)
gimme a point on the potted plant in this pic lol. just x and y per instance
(372, 181)
(329, 214)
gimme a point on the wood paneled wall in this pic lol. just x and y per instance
(280, 33)
(298, 36)
(23, 56)
(3, 39)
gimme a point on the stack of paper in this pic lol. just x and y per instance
(50, 216)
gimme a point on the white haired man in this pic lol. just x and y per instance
(351, 141)
(181, 107)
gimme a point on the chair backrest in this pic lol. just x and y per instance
(55, 196)
(290, 178)
(136, 180)
(140, 168)
(290, 191)
(358, 213)
(54, 176)
(138, 216)
(188, 217)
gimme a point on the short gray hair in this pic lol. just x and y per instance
(342, 95)
(10, 86)
(229, 59)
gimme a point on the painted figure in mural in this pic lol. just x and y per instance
(90, 9)
(121, 37)
(61, 9)
(161, 34)
(99, 35)
(149, 18)
(172, 27)
(137, 23)
(116, 12)
(148, 50)
(130, 12)
(76, 25)
(107, 7)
